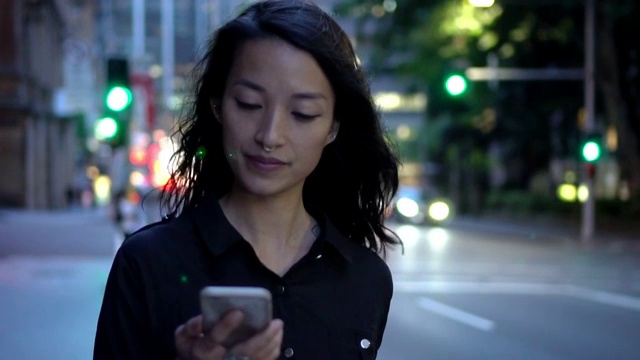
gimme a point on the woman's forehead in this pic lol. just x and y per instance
(272, 63)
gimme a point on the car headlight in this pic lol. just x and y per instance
(407, 207)
(439, 210)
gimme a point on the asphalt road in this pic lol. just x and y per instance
(474, 290)
(508, 294)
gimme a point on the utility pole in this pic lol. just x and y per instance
(588, 207)
(168, 52)
(493, 74)
(201, 26)
(138, 31)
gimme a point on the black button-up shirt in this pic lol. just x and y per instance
(333, 302)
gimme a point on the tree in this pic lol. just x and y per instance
(424, 41)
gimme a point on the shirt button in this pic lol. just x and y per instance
(280, 289)
(365, 343)
(288, 352)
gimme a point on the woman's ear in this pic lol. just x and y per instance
(333, 133)
(215, 109)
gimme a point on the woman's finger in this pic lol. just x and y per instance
(272, 350)
(225, 326)
(210, 346)
(263, 344)
(206, 349)
(185, 333)
(184, 338)
(192, 344)
(193, 326)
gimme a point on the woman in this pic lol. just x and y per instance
(283, 174)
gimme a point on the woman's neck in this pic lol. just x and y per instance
(272, 222)
(280, 231)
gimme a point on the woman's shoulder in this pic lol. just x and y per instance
(364, 261)
(368, 260)
(166, 235)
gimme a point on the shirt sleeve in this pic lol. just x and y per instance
(123, 329)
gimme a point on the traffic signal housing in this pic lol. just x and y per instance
(112, 127)
(118, 96)
(590, 152)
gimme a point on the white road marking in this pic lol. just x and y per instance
(607, 298)
(444, 287)
(456, 314)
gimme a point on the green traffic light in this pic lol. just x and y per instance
(118, 98)
(455, 85)
(106, 128)
(591, 151)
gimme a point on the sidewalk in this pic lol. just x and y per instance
(69, 215)
(53, 269)
(74, 232)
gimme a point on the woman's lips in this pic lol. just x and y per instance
(265, 163)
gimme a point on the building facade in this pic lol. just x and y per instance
(52, 72)
(36, 145)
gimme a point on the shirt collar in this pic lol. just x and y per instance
(220, 235)
(215, 229)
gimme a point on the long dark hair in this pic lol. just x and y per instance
(357, 175)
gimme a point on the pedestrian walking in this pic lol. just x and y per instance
(283, 173)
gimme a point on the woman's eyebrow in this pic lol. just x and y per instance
(249, 84)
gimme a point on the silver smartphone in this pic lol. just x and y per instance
(254, 302)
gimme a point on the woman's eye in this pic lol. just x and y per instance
(247, 106)
(304, 117)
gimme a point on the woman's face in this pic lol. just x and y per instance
(277, 117)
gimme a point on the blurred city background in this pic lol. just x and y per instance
(517, 123)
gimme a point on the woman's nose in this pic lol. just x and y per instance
(273, 129)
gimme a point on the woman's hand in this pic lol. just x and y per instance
(192, 344)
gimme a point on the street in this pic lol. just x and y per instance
(472, 290)
(53, 268)
(510, 294)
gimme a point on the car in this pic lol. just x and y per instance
(412, 205)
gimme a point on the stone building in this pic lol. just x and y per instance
(36, 145)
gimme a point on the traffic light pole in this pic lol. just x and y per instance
(588, 76)
(588, 207)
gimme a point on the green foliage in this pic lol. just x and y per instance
(423, 42)
(409, 149)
